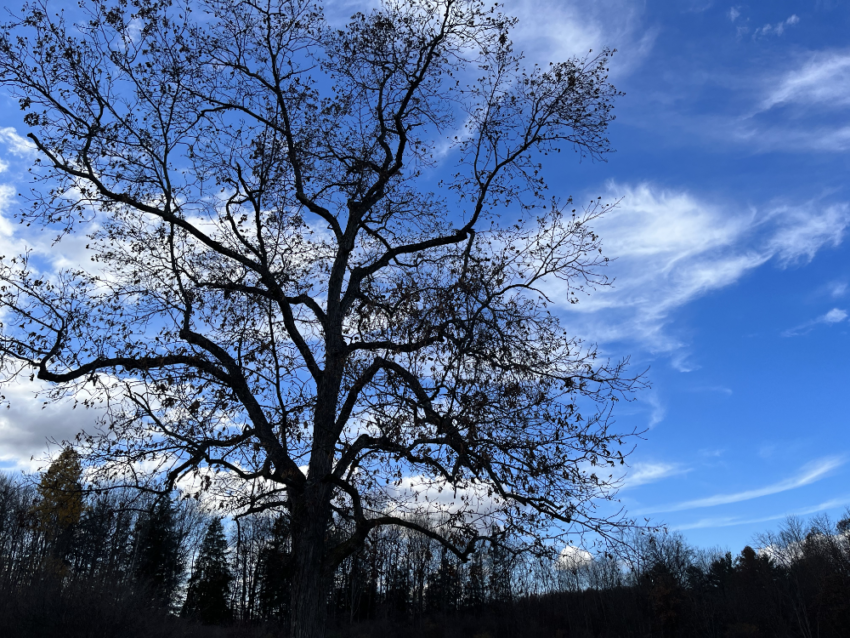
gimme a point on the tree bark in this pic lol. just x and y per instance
(311, 508)
(309, 583)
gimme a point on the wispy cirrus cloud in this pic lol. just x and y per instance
(801, 231)
(799, 102)
(823, 79)
(554, 31)
(671, 247)
(551, 30)
(648, 472)
(808, 474)
(834, 316)
(769, 29)
(730, 521)
(776, 28)
(657, 409)
(802, 108)
(837, 289)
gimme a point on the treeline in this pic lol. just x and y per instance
(78, 563)
(116, 562)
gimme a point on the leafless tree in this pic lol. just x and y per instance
(286, 305)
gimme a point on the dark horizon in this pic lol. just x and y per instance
(74, 563)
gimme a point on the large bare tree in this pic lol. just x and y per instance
(287, 304)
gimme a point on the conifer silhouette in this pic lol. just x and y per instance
(158, 562)
(207, 598)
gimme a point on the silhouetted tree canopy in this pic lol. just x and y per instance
(285, 306)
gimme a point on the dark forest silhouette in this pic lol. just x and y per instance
(78, 563)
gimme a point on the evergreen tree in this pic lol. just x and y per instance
(500, 574)
(92, 539)
(207, 597)
(275, 573)
(475, 593)
(720, 572)
(158, 561)
(397, 587)
(443, 590)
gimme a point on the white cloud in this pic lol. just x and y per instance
(7, 196)
(9, 244)
(426, 496)
(723, 521)
(339, 12)
(776, 29)
(823, 79)
(643, 473)
(27, 424)
(553, 30)
(801, 107)
(730, 521)
(69, 253)
(658, 412)
(810, 473)
(17, 145)
(734, 13)
(804, 230)
(836, 315)
(837, 289)
(573, 558)
(671, 247)
(818, 137)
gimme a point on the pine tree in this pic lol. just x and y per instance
(500, 575)
(207, 598)
(443, 591)
(275, 573)
(397, 588)
(158, 563)
(92, 538)
(476, 587)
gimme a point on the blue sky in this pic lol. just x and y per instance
(732, 270)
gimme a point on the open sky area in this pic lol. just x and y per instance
(732, 264)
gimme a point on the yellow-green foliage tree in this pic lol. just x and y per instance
(60, 504)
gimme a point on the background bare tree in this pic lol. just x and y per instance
(286, 305)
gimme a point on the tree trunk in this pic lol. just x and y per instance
(309, 582)
(311, 509)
